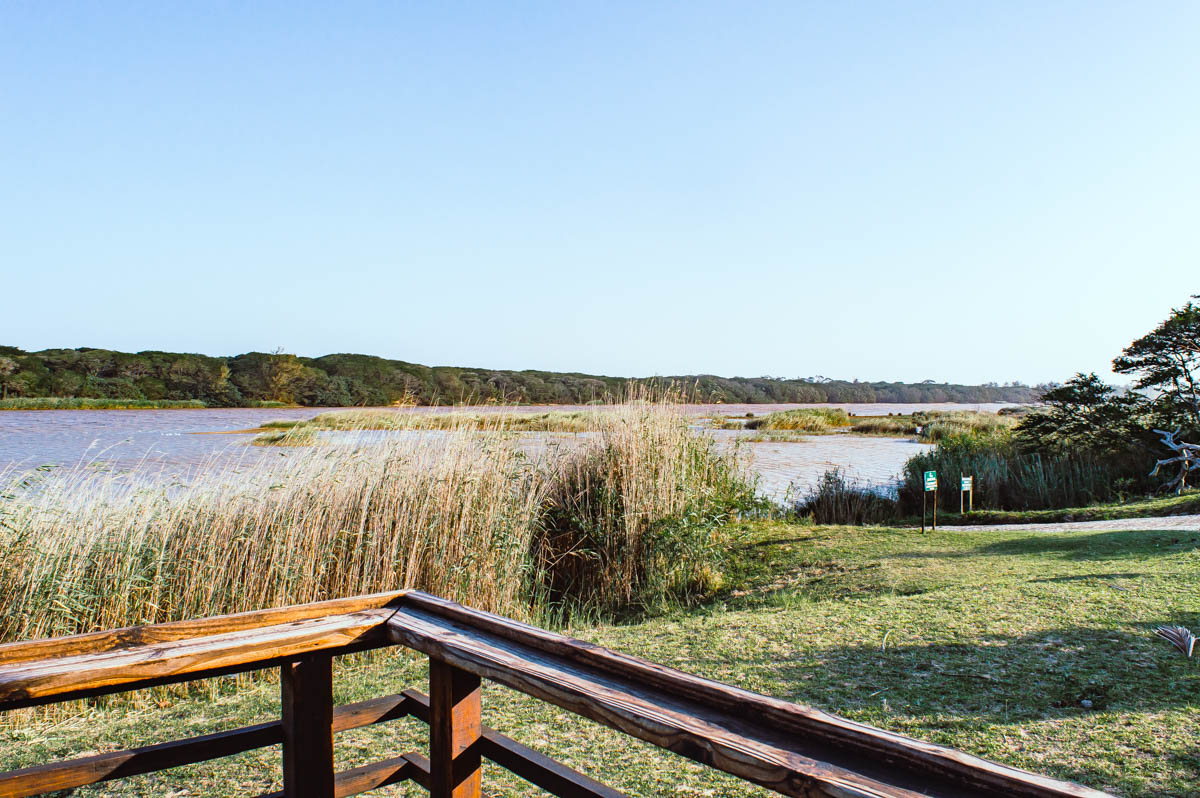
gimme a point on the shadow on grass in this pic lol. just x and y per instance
(1080, 767)
(996, 679)
(1108, 685)
(757, 544)
(1107, 545)
(1089, 577)
(828, 580)
(786, 579)
(1095, 546)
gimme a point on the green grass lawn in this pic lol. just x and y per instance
(1187, 503)
(995, 641)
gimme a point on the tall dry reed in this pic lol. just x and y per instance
(1007, 478)
(487, 517)
(838, 499)
(634, 518)
(453, 515)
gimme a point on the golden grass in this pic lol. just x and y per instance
(464, 514)
(808, 419)
(638, 520)
(929, 426)
(277, 436)
(933, 426)
(375, 419)
(447, 516)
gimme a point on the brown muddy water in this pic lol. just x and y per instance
(172, 442)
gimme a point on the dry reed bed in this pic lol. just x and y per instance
(458, 420)
(931, 426)
(937, 425)
(468, 515)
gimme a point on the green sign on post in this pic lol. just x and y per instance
(930, 487)
(967, 483)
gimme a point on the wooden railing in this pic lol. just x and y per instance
(791, 749)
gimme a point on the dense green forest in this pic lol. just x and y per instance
(345, 380)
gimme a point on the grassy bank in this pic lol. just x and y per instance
(930, 426)
(935, 426)
(812, 420)
(61, 403)
(553, 421)
(1187, 504)
(301, 432)
(630, 516)
(989, 642)
(838, 500)
(286, 436)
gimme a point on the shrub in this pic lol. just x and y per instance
(1008, 478)
(634, 515)
(838, 500)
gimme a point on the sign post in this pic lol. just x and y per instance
(968, 487)
(931, 484)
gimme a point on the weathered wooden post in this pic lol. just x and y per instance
(454, 732)
(306, 689)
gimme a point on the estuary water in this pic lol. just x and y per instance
(176, 441)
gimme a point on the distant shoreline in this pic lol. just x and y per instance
(45, 404)
(355, 380)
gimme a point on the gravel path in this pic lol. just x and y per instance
(1185, 522)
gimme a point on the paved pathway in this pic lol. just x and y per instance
(1189, 523)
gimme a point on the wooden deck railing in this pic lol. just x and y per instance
(791, 749)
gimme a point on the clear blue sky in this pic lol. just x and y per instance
(958, 191)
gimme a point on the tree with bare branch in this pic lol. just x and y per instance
(1167, 361)
(1187, 457)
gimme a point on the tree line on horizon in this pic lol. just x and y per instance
(348, 380)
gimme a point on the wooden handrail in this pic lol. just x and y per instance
(34, 682)
(139, 636)
(791, 749)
